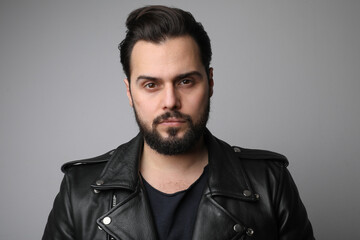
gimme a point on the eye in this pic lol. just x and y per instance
(185, 82)
(150, 85)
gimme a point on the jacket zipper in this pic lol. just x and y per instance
(112, 204)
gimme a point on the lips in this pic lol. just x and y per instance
(173, 120)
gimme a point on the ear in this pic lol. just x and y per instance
(211, 82)
(128, 91)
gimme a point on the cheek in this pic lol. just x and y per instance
(144, 110)
(201, 96)
(139, 101)
(197, 103)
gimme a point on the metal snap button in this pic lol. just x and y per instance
(249, 232)
(238, 228)
(237, 149)
(99, 182)
(106, 220)
(96, 191)
(247, 193)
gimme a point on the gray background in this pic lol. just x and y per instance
(286, 79)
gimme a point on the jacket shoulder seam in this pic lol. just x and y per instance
(95, 160)
(257, 154)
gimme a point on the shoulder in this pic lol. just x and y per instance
(88, 162)
(245, 155)
(80, 174)
(257, 154)
(261, 166)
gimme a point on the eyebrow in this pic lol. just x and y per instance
(144, 77)
(178, 77)
(189, 74)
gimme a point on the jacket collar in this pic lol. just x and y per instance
(122, 170)
(226, 174)
(226, 178)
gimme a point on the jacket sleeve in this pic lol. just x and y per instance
(60, 221)
(292, 217)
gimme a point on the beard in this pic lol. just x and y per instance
(174, 145)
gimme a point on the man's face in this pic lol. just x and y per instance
(170, 93)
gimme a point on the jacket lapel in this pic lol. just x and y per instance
(226, 181)
(214, 222)
(130, 219)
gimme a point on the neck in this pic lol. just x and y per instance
(173, 173)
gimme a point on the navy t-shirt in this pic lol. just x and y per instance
(175, 213)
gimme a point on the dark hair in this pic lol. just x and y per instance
(156, 24)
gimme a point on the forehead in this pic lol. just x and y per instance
(170, 57)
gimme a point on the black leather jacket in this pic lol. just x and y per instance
(250, 195)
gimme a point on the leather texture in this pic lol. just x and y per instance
(250, 194)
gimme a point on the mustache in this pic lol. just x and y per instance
(172, 114)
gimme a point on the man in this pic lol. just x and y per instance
(175, 180)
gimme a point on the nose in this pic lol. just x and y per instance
(171, 99)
